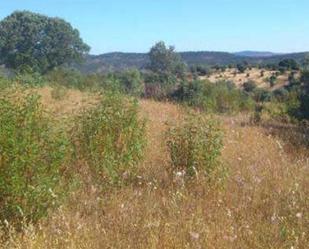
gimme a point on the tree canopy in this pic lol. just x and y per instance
(288, 64)
(164, 59)
(38, 42)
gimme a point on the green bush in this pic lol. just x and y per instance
(222, 97)
(67, 78)
(132, 83)
(249, 86)
(159, 86)
(261, 95)
(128, 82)
(32, 158)
(272, 80)
(195, 146)
(111, 138)
(30, 79)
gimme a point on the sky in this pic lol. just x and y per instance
(189, 25)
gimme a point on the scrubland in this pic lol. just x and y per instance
(259, 200)
(259, 76)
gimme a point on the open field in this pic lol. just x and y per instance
(263, 203)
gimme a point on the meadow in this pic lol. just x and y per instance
(259, 200)
(158, 150)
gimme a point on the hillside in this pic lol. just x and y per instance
(259, 76)
(120, 61)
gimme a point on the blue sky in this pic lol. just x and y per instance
(216, 25)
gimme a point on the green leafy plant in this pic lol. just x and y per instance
(222, 97)
(32, 160)
(111, 138)
(249, 86)
(30, 40)
(195, 146)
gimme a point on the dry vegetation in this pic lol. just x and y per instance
(250, 75)
(263, 203)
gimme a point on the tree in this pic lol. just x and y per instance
(38, 42)
(241, 68)
(288, 64)
(306, 62)
(165, 60)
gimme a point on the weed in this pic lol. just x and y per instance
(32, 160)
(111, 138)
(195, 146)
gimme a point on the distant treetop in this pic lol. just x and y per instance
(164, 59)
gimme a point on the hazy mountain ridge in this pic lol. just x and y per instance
(120, 61)
(249, 53)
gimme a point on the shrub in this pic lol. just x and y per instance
(132, 82)
(66, 77)
(281, 94)
(111, 138)
(195, 146)
(222, 97)
(159, 86)
(30, 79)
(261, 95)
(32, 157)
(304, 107)
(249, 86)
(241, 68)
(272, 80)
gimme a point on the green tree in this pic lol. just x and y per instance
(39, 43)
(241, 68)
(165, 60)
(288, 64)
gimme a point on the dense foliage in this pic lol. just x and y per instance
(111, 138)
(195, 146)
(222, 97)
(32, 160)
(304, 97)
(165, 60)
(30, 41)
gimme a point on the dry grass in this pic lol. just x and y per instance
(264, 203)
(254, 74)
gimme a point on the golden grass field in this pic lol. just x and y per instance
(264, 202)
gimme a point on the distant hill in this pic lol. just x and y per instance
(120, 61)
(255, 54)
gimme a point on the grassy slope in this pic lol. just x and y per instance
(255, 75)
(264, 203)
